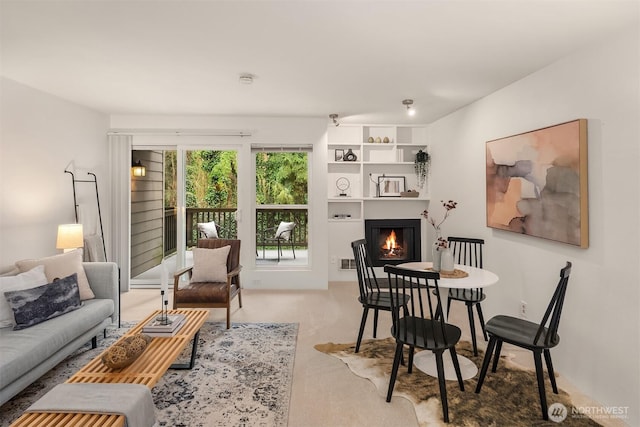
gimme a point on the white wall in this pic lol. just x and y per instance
(599, 350)
(40, 135)
(284, 131)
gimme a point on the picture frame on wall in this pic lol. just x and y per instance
(537, 183)
(391, 186)
(339, 154)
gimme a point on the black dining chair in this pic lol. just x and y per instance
(421, 325)
(468, 251)
(537, 337)
(371, 295)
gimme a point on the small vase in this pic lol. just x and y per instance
(437, 258)
(446, 261)
(437, 251)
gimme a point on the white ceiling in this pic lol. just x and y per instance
(359, 59)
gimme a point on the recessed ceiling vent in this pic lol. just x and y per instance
(246, 78)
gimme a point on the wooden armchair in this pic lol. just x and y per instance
(209, 287)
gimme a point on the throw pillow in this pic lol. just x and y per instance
(36, 305)
(210, 265)
(284, 230)
(30, 279)
(63, 265)
(208, 229)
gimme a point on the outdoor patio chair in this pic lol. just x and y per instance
(284, 234)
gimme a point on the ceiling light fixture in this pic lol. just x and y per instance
(409, 104)
(334, 119)
(246, 78)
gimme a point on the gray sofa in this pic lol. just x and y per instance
(27, 354)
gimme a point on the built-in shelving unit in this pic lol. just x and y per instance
(394, 158)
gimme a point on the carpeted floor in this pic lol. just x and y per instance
(509, 397)
(242, 377)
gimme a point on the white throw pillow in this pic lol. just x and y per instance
(28, 280)
(285, 228)
(210, 265)
(59, 266)
(209, 229)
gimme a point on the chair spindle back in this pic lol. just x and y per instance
(554, 310)
(367, 280)
(418, 286)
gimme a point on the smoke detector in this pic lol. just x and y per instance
(246, 78)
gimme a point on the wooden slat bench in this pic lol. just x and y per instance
(147, 370)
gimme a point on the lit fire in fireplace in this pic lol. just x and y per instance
(392, 247)
(391, 242)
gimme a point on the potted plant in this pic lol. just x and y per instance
(422, 164)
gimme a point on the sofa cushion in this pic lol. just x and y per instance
(25, 349)
(39, 304)
(30, 279)
(63, 265)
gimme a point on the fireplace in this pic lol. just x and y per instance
(393, 241)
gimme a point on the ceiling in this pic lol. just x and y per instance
(358, 59)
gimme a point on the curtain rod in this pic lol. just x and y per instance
(181, 132)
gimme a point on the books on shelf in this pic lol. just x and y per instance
(156, 328)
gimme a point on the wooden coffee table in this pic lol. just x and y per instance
(147, 370)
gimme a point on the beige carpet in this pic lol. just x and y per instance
(509, 397)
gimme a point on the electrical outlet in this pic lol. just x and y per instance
(523, 309)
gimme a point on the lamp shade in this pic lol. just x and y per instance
(69, 236)
(138, 169)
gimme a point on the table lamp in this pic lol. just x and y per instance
(69, 237)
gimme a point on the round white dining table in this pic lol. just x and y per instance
(477, 278)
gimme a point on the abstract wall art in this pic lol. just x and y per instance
(537, 183)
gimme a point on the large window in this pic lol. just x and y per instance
(281, 201)
(209, 184)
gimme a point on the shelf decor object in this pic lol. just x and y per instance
(338, 154)
(350, 156)
(537, 183)
(343, 185)
(391, 186)
(422, 165)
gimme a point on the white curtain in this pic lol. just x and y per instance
(120, 166)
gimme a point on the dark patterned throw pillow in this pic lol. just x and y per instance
(36, 305)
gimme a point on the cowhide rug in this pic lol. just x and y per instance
(509, 397)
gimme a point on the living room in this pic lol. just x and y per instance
(592, 73)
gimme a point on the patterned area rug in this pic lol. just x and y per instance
(242, 377)
(509, 397)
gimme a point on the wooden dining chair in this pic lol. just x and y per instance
(468, 251)
(537, 337)
(371, 295)
(421, 325)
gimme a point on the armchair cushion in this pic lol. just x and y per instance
(209, 229)
(284, 230)
(210, 265)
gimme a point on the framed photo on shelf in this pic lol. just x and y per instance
(391, 186)
(339, 154)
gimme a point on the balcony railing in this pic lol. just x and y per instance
(266, 217)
